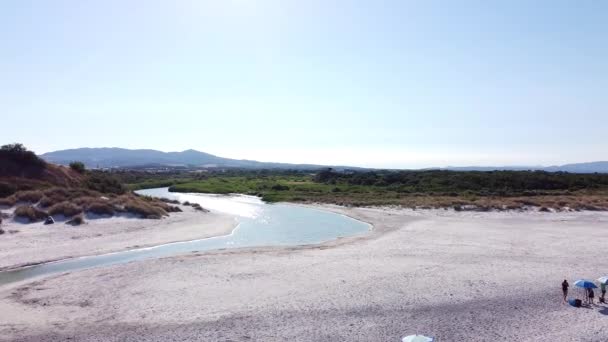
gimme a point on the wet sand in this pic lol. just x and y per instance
(455, 276)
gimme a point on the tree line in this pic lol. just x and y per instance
(494, 182)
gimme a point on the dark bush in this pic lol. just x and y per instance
(16, 160)
(104, 183)
(502, 183)
(78, 167)
(279, 187)
(6, 189)
(30, 213)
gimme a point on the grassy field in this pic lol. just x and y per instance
(307, 189)
(156, 183)
(270, 188)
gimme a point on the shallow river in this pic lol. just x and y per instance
(260, 224)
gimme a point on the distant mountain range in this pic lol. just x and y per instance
(591, 167)
(124, 158)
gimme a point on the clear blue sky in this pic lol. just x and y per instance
(370, 83)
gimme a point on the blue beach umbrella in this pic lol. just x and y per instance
(585, 284)
(417, 338)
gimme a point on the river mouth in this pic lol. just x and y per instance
(260, 225)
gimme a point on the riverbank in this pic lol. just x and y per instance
(32, 243)
(456, 276)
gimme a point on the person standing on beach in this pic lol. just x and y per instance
(603, 289)
(565, 286)
(591, 296)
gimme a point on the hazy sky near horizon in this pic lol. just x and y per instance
(398, 84)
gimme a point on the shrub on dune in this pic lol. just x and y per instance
(66, 209)
(76, 220)
(30, 213)
(8, 202)
(51, 198)
(78, 167)
(104, 183)
(31, 196)
(6, 189)
(165, 206)
(198, 207)
(166, 200)
(144, 209)
(85, 200)
(46, 202)
(100, 208)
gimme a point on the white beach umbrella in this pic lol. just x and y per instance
(417, 338)
(603, 280)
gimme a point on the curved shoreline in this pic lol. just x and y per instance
(328, 243)
(375, 231)
(128, 249)
(112, 235)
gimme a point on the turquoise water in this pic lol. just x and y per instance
(260, 224)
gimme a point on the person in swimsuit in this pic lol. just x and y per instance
(591, 296)
(565, 286)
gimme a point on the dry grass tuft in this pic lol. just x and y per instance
(76, 220)
(30, 213)
(66, 209)
(100, 208)
(145, 209)
(31, 196)
(166, 200)
(7, 202)
(198, 207)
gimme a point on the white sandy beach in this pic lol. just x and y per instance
(455, 276)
